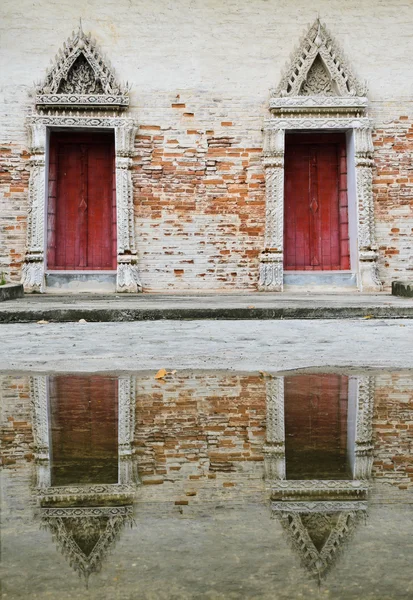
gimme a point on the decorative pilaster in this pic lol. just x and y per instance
(274, 448)
(368, 271)
(364, 428)
(127, 261)
(271, 260)
(34, 266)
(40, 418)
(126, 428)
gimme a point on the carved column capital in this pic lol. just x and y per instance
(271, 271)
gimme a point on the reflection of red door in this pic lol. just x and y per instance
(316, 408)
(316, 214)
(84, 429)
(81, 232)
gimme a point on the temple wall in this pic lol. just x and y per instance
(200, 74)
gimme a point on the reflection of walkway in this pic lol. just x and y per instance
(320, 514)
(84, 518)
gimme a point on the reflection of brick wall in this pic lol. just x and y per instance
(200, 429)
(196, 427)
(16, 437)
(393, 429)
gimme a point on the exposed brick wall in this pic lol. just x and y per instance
(14, 177)
(393, 194)
(199, 201)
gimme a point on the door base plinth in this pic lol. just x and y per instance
(76, 283)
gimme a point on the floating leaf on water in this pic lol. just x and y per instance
(161, 374)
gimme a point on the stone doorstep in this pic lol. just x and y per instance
(11, 291)
(402, 288)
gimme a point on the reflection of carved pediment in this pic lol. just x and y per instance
(81, 77)
(319, 535)
(320, 516)
(85, 535)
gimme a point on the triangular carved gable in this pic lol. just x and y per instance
(318, 68)
(80, 75)
(319, 537)
(86, 535)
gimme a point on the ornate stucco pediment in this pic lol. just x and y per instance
(85, 535)
(319, 533)
(81, 77)
(318, 76)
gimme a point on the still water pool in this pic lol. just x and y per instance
(207, 485)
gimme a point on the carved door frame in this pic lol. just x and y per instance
(335, 102)
(39, 395)
(72, 99)
(35, 267)
(361, 395)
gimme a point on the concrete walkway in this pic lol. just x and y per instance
(141, 307)
(241, 346)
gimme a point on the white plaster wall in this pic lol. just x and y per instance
(237, 46)
(233, 49)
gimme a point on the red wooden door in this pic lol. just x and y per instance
(81, 207)
(316, 214)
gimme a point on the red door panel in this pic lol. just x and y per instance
(81, 211)
(316, 215)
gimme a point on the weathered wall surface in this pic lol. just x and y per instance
(201, 74)
(16, 434)
(201, 437)
(393, 430)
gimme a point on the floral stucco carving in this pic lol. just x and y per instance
(319, 67)
(80, 76)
